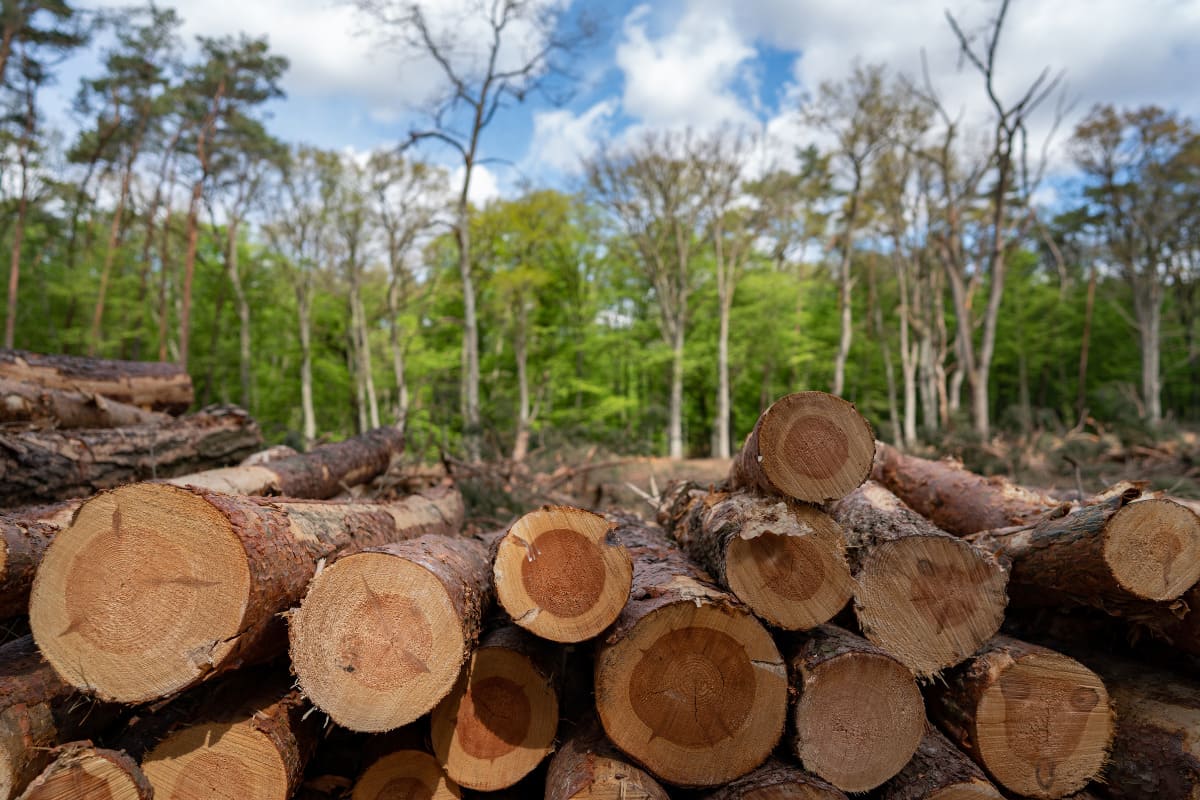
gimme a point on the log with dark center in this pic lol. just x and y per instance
(82, 771)
(155, 588)
(776, 780)
(588, 767)
(810, 445)
(785, 560)
(147, 384)
(1038, 722)
(939, 771)
(561, 574)
(929, 598)
(498, 722)
(687, 681)
(382, 634)
(31, 406)
(405, 775)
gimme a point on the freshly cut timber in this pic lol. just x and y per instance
(1038, 722)
(939, 771)
(687, 681)
(257, 752)
(929, 598)
(22, 543)
(776, 780)
(81, 771)
(498, 722)
(785, 560)
(858, 715)
(155, 588)
(320, 473)
(810, 445)
(402, 775)
(33, 406)
(147, 384)
(382, 634)
(561, 574)
(588, 767)
(54, 465)
(956, 499)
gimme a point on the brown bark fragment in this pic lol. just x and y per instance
(776, 780)
(939, 770)
(588, 761)
(22, 543)
(148, 384)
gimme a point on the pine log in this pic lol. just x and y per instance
(687, 681)
(55, 465)
(382, 635)
(561, 574)
(588, 767)
(82, 771)
(22, 543)
(785, 560)
(259, 752)
(155, 588)
(405, 775)
(939, 771)
(1038, 722)
(929, 598)
(809, 445)
(29, 405)
(268, 455)
(954, 498)
(776, 780)
(857, 715)
(147, 384)
(498, 722)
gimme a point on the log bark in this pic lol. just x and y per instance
(55, 465)
(811, 446)
(561, 574)
(786, 561)
(776, 780)
(156, 588)
(929, 598)
(498, 722)
(1038, 722)
(405, 774)
(156, 385)
(857, 715)
(382, 635)
(939, 771)
(22, 543)
(587, 765)
(28, 405)
(956, 499)
(687, 681)
(82, 771)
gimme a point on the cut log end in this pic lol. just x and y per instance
(1153, 548)
(158, 584)
(89, 773)
(405, 775)
(561, 575)
(217, 761)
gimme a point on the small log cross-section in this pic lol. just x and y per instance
(28, 405)
(561, 574)
(929, 598)
(155, 588)
(498, 722)
(1038, 722)
(785, 560)
(588, 767)
(687, 681)
(939, 771)
(858, 714)
(382, 634)
(776, 780)
(148, 384)
(402, 775)
(811, 446)
(81, 771)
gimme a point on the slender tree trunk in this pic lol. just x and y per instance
(364, 355)
(114, 240)
(908, 358)
(889, 369)
(164, 260)
(14, 269)
(245, 355)
(1148, 305)
(844, 285)
(675, 413)
(471, 423)
(397, 354)
(723, 448)
(189, 271)
(303, 306)
(521, 351)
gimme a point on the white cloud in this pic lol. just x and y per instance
(562, 140)
(484, 185)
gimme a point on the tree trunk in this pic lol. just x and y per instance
(675, 413)
(1148, 305)
(1084, 345)
(588, 765)
(845, 309)
(776, 780)
(472, 432)
(110, 252)
(303, 305)
(521, 353)
(164, 258)
(158, 385)
(889, 370)
(31, 405)
(189, 271)
(404, 773)
(939, 771)
(81, 770)
(398, 356)
(14, 271)
(726, 286)
(368, 373)
(245, 351)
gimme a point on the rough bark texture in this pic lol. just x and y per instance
(53, 465)
(28, 405)
(147, 384)
(938, 766)
(776, 780)
(81, 771)
(23, 542)
(589, 761)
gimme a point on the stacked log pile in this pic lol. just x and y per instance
(827, 621)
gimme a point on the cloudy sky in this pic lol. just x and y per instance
(702, 62)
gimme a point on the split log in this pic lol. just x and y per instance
(954, 498)
(587, 767)
(939, 771)
(811, 446)
(776, 780)
(561, 574)
(28, 405)
(1038, 722)
(54, 465)
(156, 588)
(498, 722)
(382, 635)
(786, 561)
(258, 752)
(405, 774)
(929, 598)
(82, 771)
(147, 384)
(858, 715)
(687, 681)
